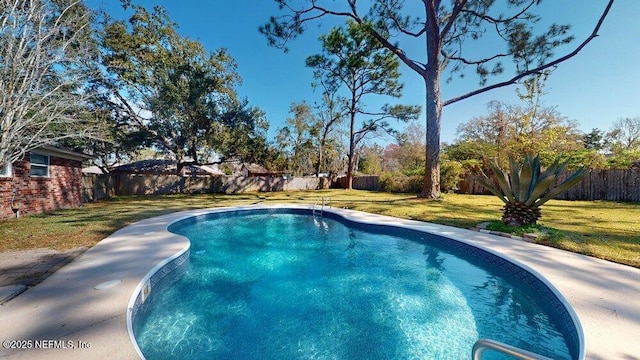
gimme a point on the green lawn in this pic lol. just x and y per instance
(606, 230)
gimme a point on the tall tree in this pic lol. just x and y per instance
(46, 54)
(170, 89)
(330, 117)
(445, 27)
(354, 60)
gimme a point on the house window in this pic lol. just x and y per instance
(39, 165)
(5, 171)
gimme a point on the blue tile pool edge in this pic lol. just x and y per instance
(144, 288)
(180, 259)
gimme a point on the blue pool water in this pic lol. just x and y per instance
(286, 285)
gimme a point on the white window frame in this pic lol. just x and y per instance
(6, 172)
(37, 165)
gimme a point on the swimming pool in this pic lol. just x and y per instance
(286, 284)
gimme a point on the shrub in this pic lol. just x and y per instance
(624, 159)
(524, 189)
(451, 173)
(400, 183)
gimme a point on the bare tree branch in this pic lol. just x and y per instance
(43, 76)
(497, 21)
(473, 62)
(457, 8)
(539, 69)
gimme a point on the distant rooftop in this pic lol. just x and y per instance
(161, 166)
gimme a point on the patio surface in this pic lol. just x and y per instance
(20, 270)
(85, 323)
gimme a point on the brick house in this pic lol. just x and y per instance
(47, 179)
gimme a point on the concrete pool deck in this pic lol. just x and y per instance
(80, 322)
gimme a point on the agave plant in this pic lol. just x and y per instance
(524, 190)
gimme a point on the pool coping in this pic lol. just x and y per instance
(65, 307)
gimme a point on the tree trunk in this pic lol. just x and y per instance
(431, 186)
(179, 162)
(319, 161)
(179, 167)
(433, 111)
(350, 161)
(352, 142)
(323, 140)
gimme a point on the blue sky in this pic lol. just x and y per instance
(595, 88)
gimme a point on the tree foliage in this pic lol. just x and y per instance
(513, 130)
(179, 97)
(370, 162)
(298, 139)
(46, 60)
(446, 28)
(619, 148)
(308, 140)
(624, 135)
(594, 140)
(410, 150)
(519, 130)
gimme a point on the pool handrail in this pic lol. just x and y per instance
(483, 344)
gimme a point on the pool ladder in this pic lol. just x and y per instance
(323, 202)
(483, 344)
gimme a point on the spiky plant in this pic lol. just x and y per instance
(524, 190)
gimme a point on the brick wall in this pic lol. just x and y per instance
(62, 189)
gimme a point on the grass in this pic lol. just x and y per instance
(607, 230)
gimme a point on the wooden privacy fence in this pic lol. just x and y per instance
(369, 182)
(612, 185)
(98, 187)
